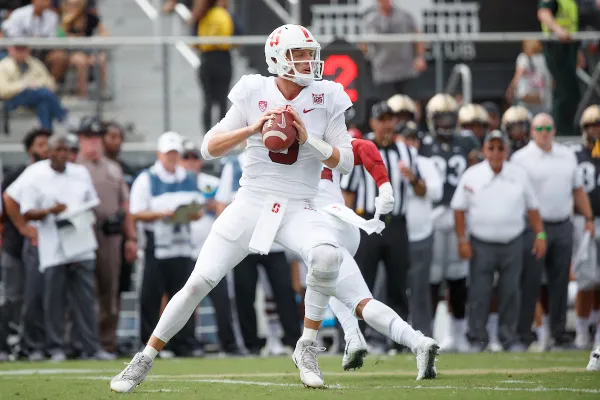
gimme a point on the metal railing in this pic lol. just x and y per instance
(461, 73)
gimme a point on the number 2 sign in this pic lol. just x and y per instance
(345, 64)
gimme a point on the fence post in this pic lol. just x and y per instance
(439, 66)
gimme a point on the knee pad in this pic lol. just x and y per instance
(323, 268)
(458, 297)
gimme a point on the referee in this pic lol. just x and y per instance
(360, 191)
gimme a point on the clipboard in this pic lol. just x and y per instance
(183, 212)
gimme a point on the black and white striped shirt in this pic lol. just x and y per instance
(360, 182)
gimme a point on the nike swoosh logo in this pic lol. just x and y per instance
(307, 111)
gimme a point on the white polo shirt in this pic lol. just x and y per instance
(495, 204)
(419, 209)
(39, 186)
(554, 177)
(23, 23)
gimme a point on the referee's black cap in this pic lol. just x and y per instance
(380, 110)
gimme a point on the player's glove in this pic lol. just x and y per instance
(384, 203)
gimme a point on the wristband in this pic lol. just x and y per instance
(320, 148)
(541, 236)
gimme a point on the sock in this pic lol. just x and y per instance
(597, 335)
(542, 330)
(344, 315)
(150, 352)
(309, 334)
(385, 321)
(492, 327)
(593, 317)
(315, 304)
(458, 327)
(582, 326)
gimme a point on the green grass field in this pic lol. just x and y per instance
(490, 376)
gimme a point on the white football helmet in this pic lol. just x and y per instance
(278, 53)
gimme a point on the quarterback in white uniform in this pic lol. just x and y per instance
(352, 297)
(275, 200)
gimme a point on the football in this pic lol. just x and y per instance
(279, 133)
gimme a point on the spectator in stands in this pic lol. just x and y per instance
(200, 229)
(532, 82)
(155, 195)
(558, 186)
(216, 69)
(25, 82)
(34, 21)
(496, 195)
(78, 21)
(13, 238)
(394, 65)
(561, 17)
(246, 275)
(66, 246)
(112, 221)
(91, 6)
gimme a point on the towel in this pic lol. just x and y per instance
(347, 215)
(267, 225)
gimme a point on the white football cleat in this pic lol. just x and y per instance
(594, 364)
(355, 351)
(426, 353)
(583, 341)
(494, 346)
(133, 375)
(305, 358)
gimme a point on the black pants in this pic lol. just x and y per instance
(392, 248)
(215, 78)
(160, 277)
(279, 275)
(221, 303)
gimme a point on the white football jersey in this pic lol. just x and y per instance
(330, 191)
(295, 173)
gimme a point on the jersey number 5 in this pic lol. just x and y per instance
(288, 158)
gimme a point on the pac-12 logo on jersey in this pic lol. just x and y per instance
(262, 105)
(318, 99)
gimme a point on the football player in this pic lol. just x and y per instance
(475, 119)
(586, 269)
(516, 122)
(275, 201)
(404, 108)
(452, 152)
(353, 299)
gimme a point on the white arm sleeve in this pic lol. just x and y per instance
(337, 135)
(234, 119)
(431, 177)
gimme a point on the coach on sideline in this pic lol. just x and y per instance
(557, 184)
(495, 194)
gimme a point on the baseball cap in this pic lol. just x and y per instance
(190, 147)
(496, 134)
(380, 109)
(91, 126)
(170, 141)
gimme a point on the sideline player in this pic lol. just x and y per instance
(452, 152)
(275, 201)
(353, 299)
(586, 268)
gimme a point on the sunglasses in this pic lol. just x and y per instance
(190, 157)
(541, 128)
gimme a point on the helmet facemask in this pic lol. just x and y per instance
(289, 68)
(591, 137)
(444, 123)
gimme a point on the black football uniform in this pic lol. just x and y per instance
(450, 158)
(590, 170)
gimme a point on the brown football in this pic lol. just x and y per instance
(279, 133)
